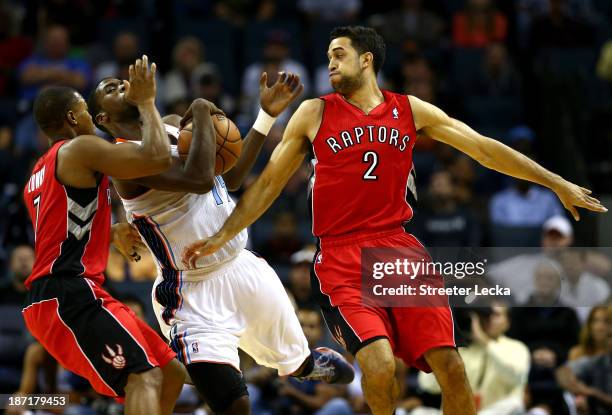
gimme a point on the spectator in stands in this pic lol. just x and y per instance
(312, 397)
(14, 337)
(411, 22)
(443, 222)
(207, 84)
(274, 60)
(496, 365)
(479, 25)
(523, 205)
(557, 28)
(545, 325)
(126, 49)
(14, 48)
(53, 66)
(581, 289)
(299, 277)
(187, 56)
(593, 335)
(13, 289)
(330, 10)
(498, 76)
(591, 376)
(517, 273)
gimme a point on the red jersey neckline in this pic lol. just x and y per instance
(373, 110)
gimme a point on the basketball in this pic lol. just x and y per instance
(229, 143)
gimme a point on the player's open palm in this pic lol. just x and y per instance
(140, 89)
(276, 99)
(573, 196)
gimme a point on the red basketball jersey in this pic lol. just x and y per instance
(362, 165)
(71, 226)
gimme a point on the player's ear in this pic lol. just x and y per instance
(102, 118)
(71, 118)
(367, 59)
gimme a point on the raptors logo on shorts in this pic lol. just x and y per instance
(114, 358)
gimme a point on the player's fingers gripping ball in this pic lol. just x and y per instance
(229, 143)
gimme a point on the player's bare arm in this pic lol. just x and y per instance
(284, 161)
(497, 156)
(273, 100)
(196, 174)
(84, 157)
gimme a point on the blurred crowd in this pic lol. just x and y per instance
(535, 74)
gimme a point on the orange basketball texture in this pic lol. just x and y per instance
(229, 143)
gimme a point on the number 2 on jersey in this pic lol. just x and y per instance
(372, 158)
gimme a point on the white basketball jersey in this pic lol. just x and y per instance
(170, 221)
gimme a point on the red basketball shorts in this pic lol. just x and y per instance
(91, 334)
(336, 276)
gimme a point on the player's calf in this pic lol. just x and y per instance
(379, 384)
(173, 379)
(143, 392)
(448, 368)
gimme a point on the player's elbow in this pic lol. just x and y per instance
(203, 186)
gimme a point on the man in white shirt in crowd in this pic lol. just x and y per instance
(496, 365)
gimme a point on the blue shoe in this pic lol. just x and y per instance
(330, 367)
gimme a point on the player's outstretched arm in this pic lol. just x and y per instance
(285, 160)
(274, 100)
(497, 156)
(197, 174)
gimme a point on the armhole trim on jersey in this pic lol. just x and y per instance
(321, 123)
(416, 131)
(56, 163)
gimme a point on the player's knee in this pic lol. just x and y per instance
(174, 373)
(380, 371)
(241, 406)
(151, 378)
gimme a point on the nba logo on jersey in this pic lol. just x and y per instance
(319, 258)
(395, 113)
(194, 347)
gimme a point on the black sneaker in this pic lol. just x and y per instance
(330, 367)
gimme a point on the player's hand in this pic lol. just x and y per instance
(202, 248)
(478, 334)
(127, 241)
(277, 98)
(140, 89)
(202, 105)
(573, 196)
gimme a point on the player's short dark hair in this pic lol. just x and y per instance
(363, 39)
(94, 107)
(51, 106)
